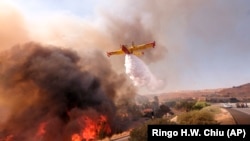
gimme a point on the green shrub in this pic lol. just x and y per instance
(212, 109)
(199, 105)
(197, 117)
(185, 105)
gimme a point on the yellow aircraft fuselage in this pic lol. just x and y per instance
(136, 50)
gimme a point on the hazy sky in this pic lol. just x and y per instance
(207, 42)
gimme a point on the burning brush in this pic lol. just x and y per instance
(52, 97)
(92, 129)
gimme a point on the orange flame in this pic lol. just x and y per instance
(41, 130)
(8, 138)
(76, 137)
(39, 134)
(92, 128)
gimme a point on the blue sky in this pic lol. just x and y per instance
(207, 43)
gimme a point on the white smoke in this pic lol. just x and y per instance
(140, 74)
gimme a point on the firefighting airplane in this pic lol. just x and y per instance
(134, 49)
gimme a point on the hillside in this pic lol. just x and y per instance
(241, 93)
(236, 91)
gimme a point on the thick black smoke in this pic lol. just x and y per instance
(55, 86)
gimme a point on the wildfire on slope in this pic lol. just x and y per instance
(53, 95)
(92, 128)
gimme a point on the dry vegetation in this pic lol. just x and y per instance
(224, 117)
(241, 92)
(220, 115)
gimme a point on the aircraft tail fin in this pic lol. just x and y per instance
(154, 44)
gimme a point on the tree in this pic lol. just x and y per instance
(163, 110)
(185, 105)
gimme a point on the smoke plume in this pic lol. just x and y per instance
(140, 74)
(47, 91)
(51, 93)
(13, 26)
